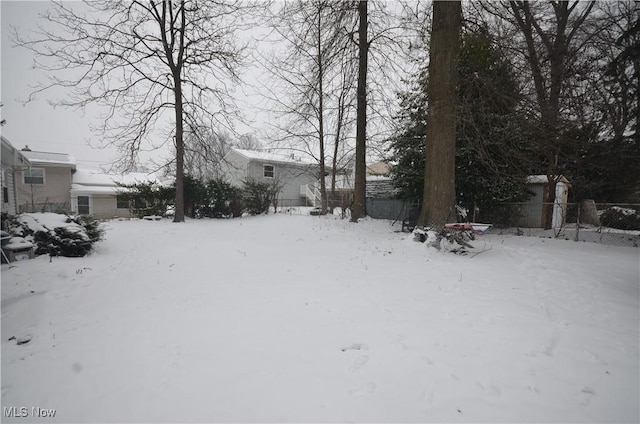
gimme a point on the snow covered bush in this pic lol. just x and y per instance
(621, 218)
(257, 197)
(57, 234)
(221, 200)
(146, 199)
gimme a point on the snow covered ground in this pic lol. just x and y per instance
(285, 318)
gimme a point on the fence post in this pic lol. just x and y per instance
(577, 237)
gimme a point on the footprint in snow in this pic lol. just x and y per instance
(585, 395)
(360, 362)
(364, 390)
(355, 346)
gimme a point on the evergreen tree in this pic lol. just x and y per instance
(492, 156)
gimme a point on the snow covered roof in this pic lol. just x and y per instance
(50, 158)
(99, 182)
(543, 179)
(274, 157)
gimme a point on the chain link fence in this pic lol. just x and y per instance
(615, 224)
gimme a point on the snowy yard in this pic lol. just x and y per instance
(299, 319)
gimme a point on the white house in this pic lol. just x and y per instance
(288, 172)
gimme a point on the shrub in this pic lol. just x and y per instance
(56, 234)
(221, 200)
(147, 198)
(257, 197)
(621, 218)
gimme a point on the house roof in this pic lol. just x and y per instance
(543, 179)
(50, 158)
(98, 182)
(274, 157)
(378, 168)
(379, 186)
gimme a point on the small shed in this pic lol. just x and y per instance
(532, 212)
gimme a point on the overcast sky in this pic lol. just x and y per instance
(45, 128)
(37, 124)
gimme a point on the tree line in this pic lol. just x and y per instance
(495, 91)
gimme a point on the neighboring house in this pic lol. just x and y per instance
(95, 193)
(13, 161)
(292, 175)
(532, 212)
(378, 169)
(45, 185)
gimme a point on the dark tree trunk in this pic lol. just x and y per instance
(177, 81)
(439, 198)
(179, 207)
(358, 209)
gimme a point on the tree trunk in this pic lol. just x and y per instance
(359, 206)
(439, 197)
(179, 207)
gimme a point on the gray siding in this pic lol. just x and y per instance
(289, 177)
(235, 168)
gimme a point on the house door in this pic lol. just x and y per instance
(83, 205)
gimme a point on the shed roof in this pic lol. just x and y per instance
(543, 179)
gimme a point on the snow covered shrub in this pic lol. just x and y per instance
(57, 234)
(621, 218)
(257, 197)
(222, 200)
(146, 199)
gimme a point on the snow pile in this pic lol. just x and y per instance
(18, 243)
(314, 319)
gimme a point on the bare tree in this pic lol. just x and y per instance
(440, 145)
(204, 152)
(382, 40)
(311, 73)
(358, 209)
(147, 62)
(248, 142)
(547, 38)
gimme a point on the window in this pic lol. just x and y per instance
(33, 176)
(83, 205)
(268, 171)
(122, 202)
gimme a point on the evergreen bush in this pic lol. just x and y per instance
(65, 240)
(257, 197)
